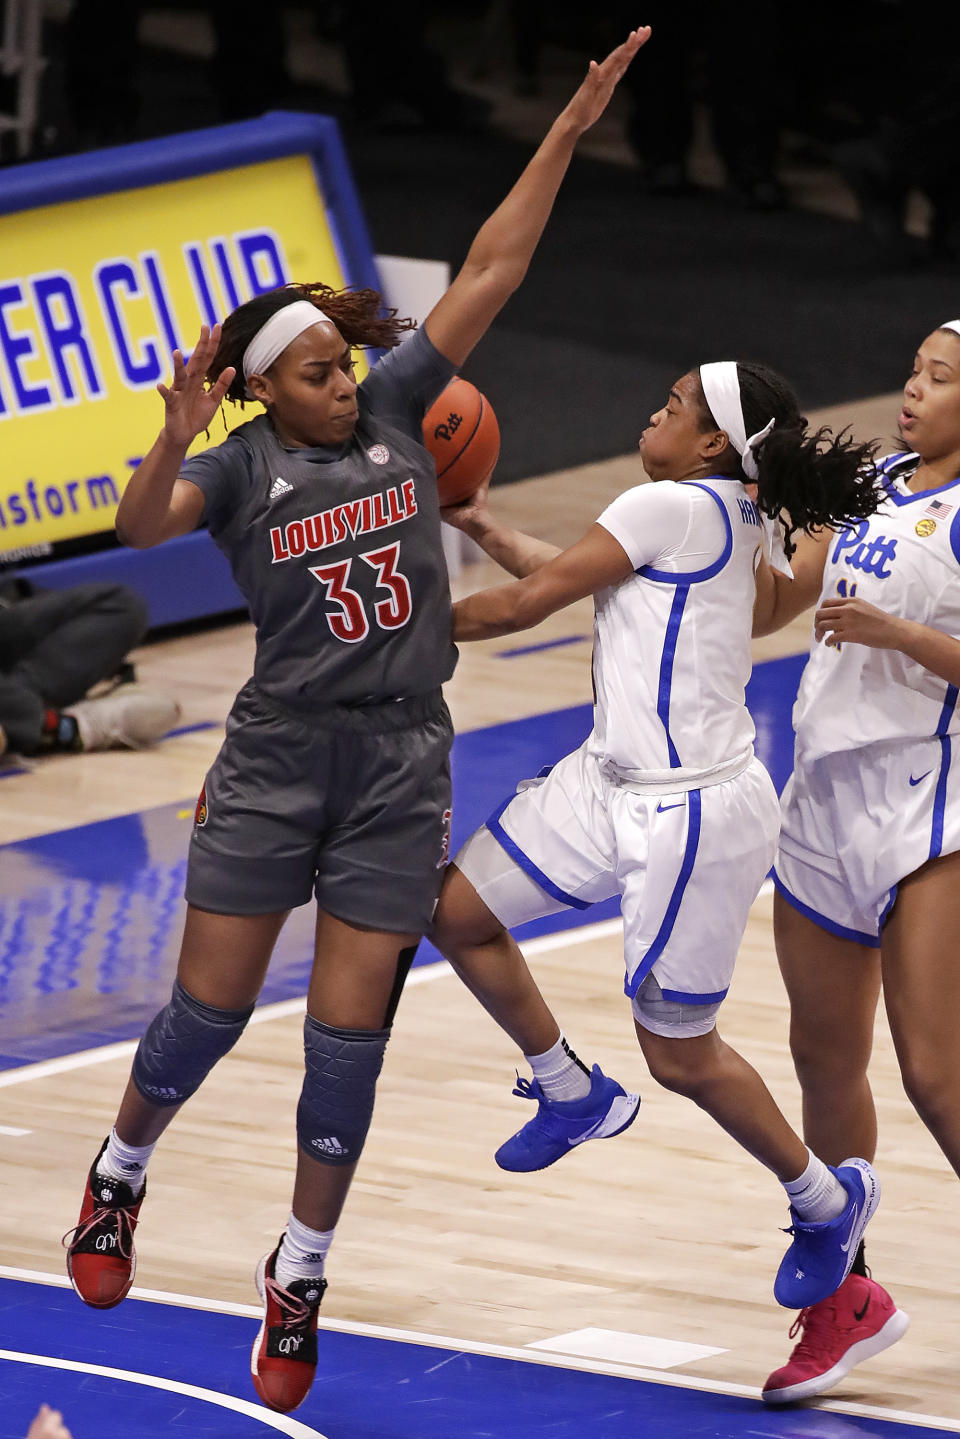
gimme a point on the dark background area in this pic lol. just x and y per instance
(645, 269)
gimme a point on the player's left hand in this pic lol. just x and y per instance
(470, 514)
(852, 621)
(590, 101)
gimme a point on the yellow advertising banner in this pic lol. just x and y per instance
(97, 292)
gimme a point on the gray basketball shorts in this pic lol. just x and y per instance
(349, 804)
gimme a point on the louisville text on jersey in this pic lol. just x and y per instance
(345, 521)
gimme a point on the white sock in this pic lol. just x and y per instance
(302, 1252)
(817, 1195)
(126, 1162)
(560, 1074)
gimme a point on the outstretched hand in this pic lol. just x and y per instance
(590, 101)
(190, 403)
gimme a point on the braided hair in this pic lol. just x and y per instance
(806, 481)
(359, 315)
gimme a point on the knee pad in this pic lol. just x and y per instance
(336, 1102)
(182, 1044)
(673, 1018)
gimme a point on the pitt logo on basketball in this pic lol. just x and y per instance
(329, 527)
(449, 429)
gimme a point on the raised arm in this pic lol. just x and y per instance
(156, 505)
(594, 563)
(498, 258)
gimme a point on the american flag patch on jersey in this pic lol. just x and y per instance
(938, 509)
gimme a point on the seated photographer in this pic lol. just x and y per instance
(55, 646)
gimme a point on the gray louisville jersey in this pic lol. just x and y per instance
(337, 550)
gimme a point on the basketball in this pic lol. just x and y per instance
(461, 432)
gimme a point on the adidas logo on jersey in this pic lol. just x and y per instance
(279, 487)
(329, 1146)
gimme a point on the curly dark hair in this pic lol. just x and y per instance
(359, 315)
(806, 481)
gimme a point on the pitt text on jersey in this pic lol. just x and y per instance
(341, 522)
(871, 557)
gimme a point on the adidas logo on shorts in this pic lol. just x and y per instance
(279, 487)
(329, 1146)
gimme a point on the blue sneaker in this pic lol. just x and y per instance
(560, 1125)
(821, 1255)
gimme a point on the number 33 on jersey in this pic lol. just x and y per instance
(347, 616)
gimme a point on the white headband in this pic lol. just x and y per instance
(721, 389)
(280, 330)
(953, 325)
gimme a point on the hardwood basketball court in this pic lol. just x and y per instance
(667, 1233)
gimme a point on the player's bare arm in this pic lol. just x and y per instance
(156, 505)
(518, 553)
(779, 598)
(498, 258)
(594, 563)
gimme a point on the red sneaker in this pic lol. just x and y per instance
(859, 1320)
(283, 1360)
(101, 1259)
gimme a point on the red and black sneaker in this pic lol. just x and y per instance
(283, 1360)
(101, 1260)
(853, 1324)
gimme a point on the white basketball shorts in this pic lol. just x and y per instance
(856, 823)
(687, 866)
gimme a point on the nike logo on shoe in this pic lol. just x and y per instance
(853, 1225)
(922, 777)
(859, 1313)
(662, 808)
(586, 1133)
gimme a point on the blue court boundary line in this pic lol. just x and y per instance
(522, 1354)
(546, 645)
(96, 870)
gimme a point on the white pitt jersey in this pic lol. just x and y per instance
(672, 643)
(906, 560)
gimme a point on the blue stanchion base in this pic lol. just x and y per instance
(183, 579)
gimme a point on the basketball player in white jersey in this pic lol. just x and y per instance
(665, 803)
(868, 870)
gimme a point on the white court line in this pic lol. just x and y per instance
(292, 1427)
(503, 1351)
(283, 1008)
(12, 1133)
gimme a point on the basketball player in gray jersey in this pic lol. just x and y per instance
(373, 624)
(333, 780)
